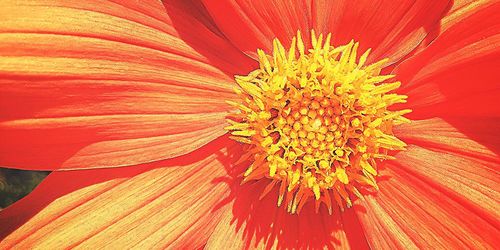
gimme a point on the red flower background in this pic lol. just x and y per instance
(125, 102)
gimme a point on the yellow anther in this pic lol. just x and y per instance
(281, 121)
(264, 115)
(304, 120)
(337, 134)
(327, 121)
(286, 129)
(324, 164)
(333, 127)
(315, 143)
(308, 158)
(330, 137)
(272, 169)
(325, 102)
(312, 114)
(316, 191)
(323, 130)
(320, 137)
(267, 141)
(330, 111)
(339, 152)
(315, 105)
(328, 179)
(366, 166)
(317, 154)
(244, 132)
(295, 177)
(341, 175)
(316, 125)
(310, 135)
(309, 150)
(355, 122)
(302, 134)
(297, 126)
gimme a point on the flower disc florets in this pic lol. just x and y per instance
(317, 121)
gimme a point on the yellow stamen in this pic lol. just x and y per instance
(317, 120)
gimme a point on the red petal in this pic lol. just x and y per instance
(459, 9)
(391, 29)
(168, 204)
(254, 24)
(409, 213)
(93, 84)
(456, 74)
(478, 137)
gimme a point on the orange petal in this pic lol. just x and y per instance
(456, 74)
(470, 181)
(104, 141)
(226, 234)
(166, 204)
(104, 84)
(408, 212)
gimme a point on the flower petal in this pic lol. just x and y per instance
(166, 204)
(259, 223)
(458, 10)
(409, 212)
(479, 139)
(104, 140)
(253, 25)
(105, 84)
(456, 74)
(470, 181)
(391, 29)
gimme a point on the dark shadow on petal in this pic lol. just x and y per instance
(462, 88)
(464, 95)
(196, 28)
(264, 223)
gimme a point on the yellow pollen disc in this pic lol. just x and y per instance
(317, 121)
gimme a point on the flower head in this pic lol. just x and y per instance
(126, 102)
(318, 121)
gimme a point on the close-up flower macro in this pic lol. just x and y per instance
(238, 124)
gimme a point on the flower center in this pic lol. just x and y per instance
(317, 121)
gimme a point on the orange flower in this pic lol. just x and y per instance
(126, 102)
